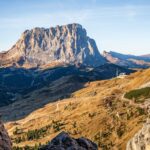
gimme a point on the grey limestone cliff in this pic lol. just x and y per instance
(64, 44)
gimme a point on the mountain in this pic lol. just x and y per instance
(55, 80)
(96, 110)
(147, 55)
(59, 45)
(130, 61)
(5, 142)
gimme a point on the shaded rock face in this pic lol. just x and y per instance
(67, 44)
(64, 142)
(141, 141)
(5, 143)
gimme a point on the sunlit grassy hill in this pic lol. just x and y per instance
(97, 111)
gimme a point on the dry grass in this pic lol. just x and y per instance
(96, 112)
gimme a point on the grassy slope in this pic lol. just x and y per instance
(97, 109)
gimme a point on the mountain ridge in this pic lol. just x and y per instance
(127, 60)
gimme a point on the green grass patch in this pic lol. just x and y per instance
(139, 95)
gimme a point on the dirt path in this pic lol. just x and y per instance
(145, 104)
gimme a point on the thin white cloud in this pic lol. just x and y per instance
(68, 16)
(45, 19)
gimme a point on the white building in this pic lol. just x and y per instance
(122, 75)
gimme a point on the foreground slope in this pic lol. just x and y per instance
(98, 112)
(64, 141)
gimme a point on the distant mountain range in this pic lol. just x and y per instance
(130, 61)
(147, 55)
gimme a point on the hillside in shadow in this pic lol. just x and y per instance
(25, 90)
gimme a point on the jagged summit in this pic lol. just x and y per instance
(60, 44)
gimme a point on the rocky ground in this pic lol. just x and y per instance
(5, 143)
(64, 142)
(96, 111)
(141, 140)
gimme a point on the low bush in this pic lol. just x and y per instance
(138, 94)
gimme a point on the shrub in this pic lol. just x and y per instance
(141, 111)
(36, 147)
(57, 125)
(120, 130)
(74, 124)
(91, 115)
(17, 131)
(31, 134)
(138, 94)
(71, 106)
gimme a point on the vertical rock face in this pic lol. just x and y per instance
(68, 44)
(5, 143)
(141, 141)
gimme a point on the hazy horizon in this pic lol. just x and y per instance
(115, 26)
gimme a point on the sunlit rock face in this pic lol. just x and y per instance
(5, 143)
(40, 46)
(141, 141)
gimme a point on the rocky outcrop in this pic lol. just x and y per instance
(141, 141)
(61, 44)
(64, 142)
(5, 143)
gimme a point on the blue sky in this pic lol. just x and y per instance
(119, 25)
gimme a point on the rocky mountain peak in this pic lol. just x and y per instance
(65, 44)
